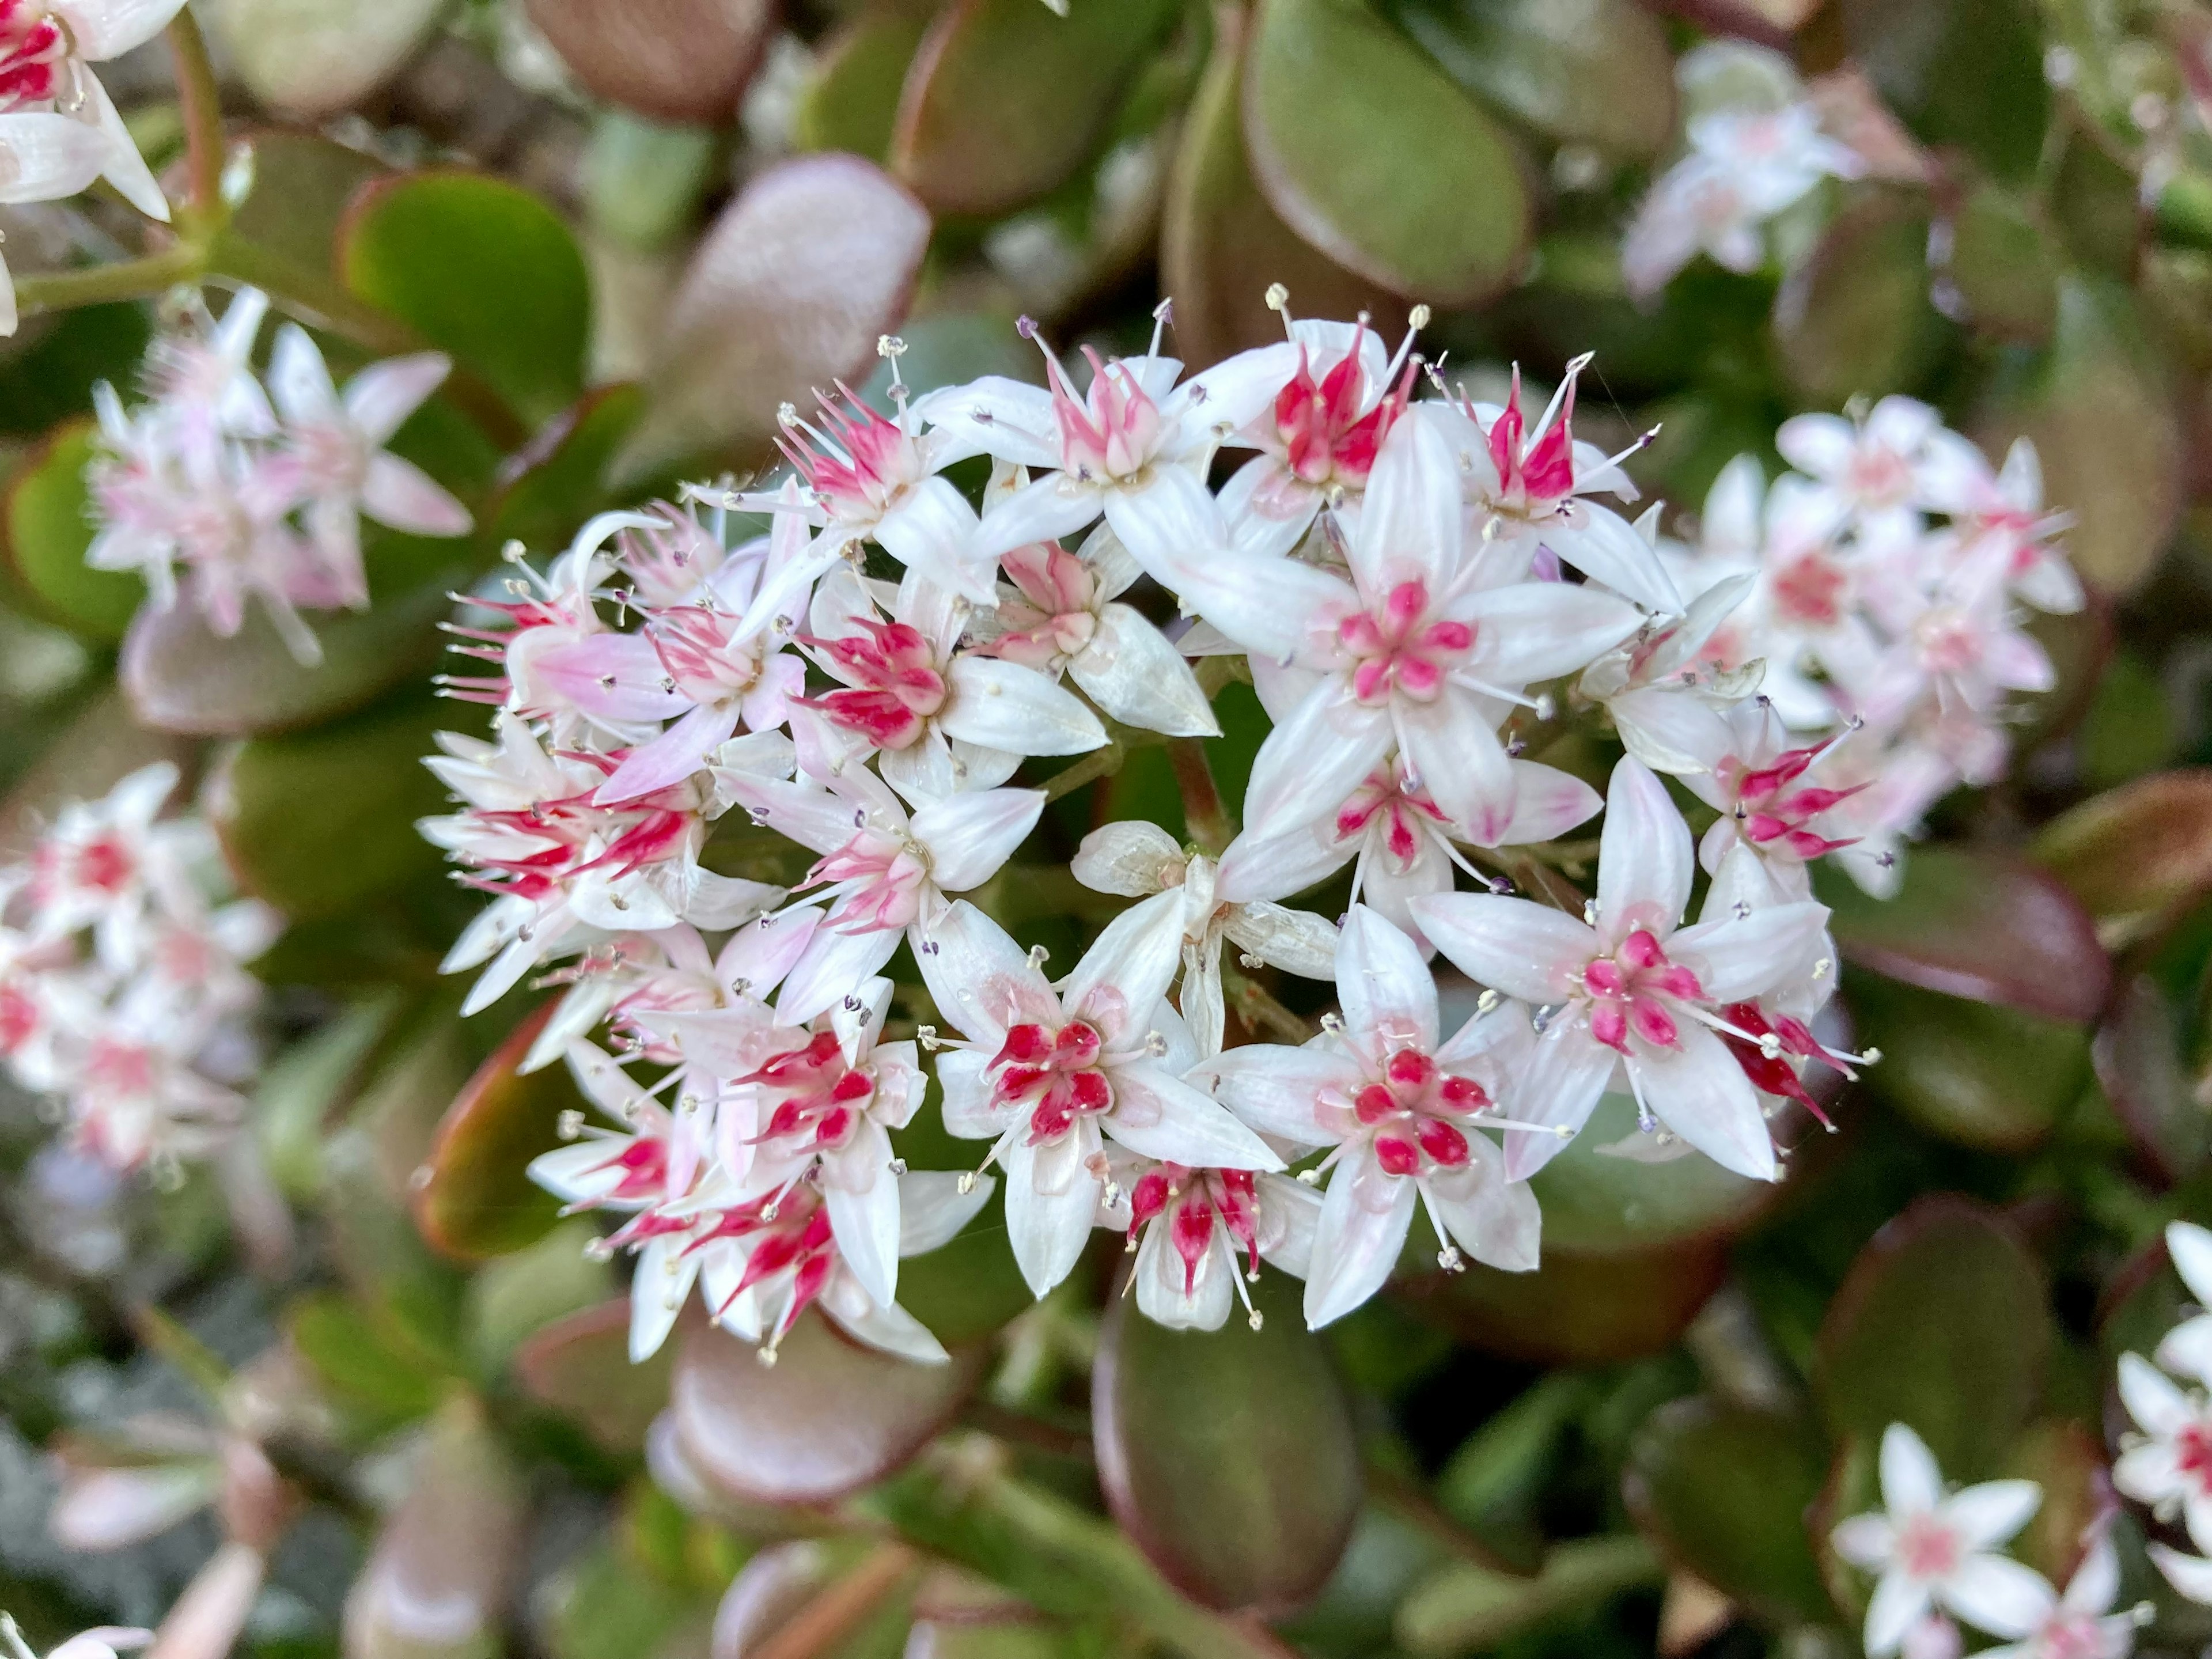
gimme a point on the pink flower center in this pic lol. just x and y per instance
(2192, 1456)
(652, 830)
(1112, 431)
(1388, 807)
(1927, 1549)
(857, 467)
(822, 1098)
(1053, 620)
(1397, 651)
(701, 652)
(1877, 475)
(784, 1232)
(1773, 1073)
(1809, 592)
(1324, 437)
(1194, 1202)
(1416, 1112)
(35, 50)
(18, 1018)
(104, 866)
(895, 685)
(1056, 1074)
(885, 874)
(1628, 990)
(1772, 813)
(643, 1161)
(1533, 478)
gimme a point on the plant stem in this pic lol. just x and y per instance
(1253, 1004)
(200, 99)
(1466, 1606)
(1203, 814)
(99, 285)
(833, 1616)
(1098, 763)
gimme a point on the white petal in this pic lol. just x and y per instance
(833, 964)
(2191, 1574)
(1561, 1087)
(1169, 526)
(1053, 507)
(1700, 1093)
(1296, 941)
(1163, 1117)
(102, 29)
(1131, 672)
(1496, 1221)
(1410, 518)
(1866, 1541)
(1290, 1213)
(1002, 705)
(1354, 1247)
(2187, 1348)
(1312, 761)
(1278, 609)
(1134, 858)
(45, 157)
(933, 532)
(866, 1224)
(1134, 958)
(1898, 1604)
(1451, 746)
(2190, 1247)
(2158, 1407)
(399, 494)
(1645, 859)
(888, 1327)
(1741, 956)
(1998, 1596)
(971, 1108)
(1606, 547)
(970, 836)
(935, 1205)
(382, 396)
(1526, 949)
(1539, 630)
(1273, 1089)
(126, 168)
(1987, 1515)
(1257, 867)
(1911, 1482)
(1388, 994)
(980, 979)
(1048, 1231)
(663, 1277)
(1197, 1298)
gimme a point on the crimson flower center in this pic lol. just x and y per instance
(1628, 990)
(1398, 650)
(1056, 1074)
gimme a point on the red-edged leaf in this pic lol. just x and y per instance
(1942, 1324)
(1853, 316)
(1975, 1072)
(1228, 1456)
(676, 60)
(471, 1196)
(2137, 851)
(1975, 923)
(828, 1418)
(791, 288)
(2138, 1061)
(579, 1366)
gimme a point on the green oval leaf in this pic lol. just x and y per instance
(1594, 72)
(49, 531)
(319, 822)
(2137, 1054)
(1575, 1308)
(1369, 152)
(483, 271)
(1005, 101)
(2004, 267)
(828, 1418)
(1594, 1204)
(1942, 1324)
(1962, 72)
(472, 1197)
(1722, 1490)
(1974, 1072)
(1229, 1456)
(851, 98)
(300, 186)
(675, 60)
(1853, 318)
(1222, 246)
(2136, 852)
(579, 1366)
(1975, 923)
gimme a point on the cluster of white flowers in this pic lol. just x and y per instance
(123, 993)
(1935, 1555)
(2167, 1463)
(1755, 149)
(255, 498)
(1400, 576)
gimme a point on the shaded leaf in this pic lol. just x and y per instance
(472, 1197)
(1005, 101)
(851, 98)
(827, 1419)
(1975, 923)
(1964, 72)
(2136, 852)
(1577, 1309)
(2004, 267)
(579, 1366)
(546, 491)
(1943, 1324)
(676, 60)
(319, 822)
(49, 531)
(1977, 1073)
(310, 58)
(485, 271)
(791, 288)
(182, 676)
(2062, 1459)
(643, 182)
(1228, 1456)
(301, 186)
(1594, 72)
(380, 1380)
(48, 376)
(1369, 152)
(1594, 1204)
(1853, 318)
(1222, 246)
(2138, 1061)
(1723, 1490)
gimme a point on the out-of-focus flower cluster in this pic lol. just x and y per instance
(2165, 1464)
(229, 490)
(125, 996)
(1420, 590)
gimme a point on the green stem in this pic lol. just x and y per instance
(99, 285)
(1253, 1004)
(1203, 814)
(1098, 763)
(1465, 1606)
(200, 99)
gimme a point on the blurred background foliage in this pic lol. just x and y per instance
(640, 228)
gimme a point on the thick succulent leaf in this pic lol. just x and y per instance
(2137, 1055)
(1962, 72)
(1367, 150)
(472, 1197)
(1228, 1456)
(2064, 1459)
(1722, 1490)
(365, 1365)
(675, 60)
(1575, 1308)
(311, 58)
(48, 370)
(828, 1418)
(1975, 923)
(1594, 72)
(1005, 100)
(319, 822)
(851, 98)
(790, 289)
(1977, 1073)
(484, 271)
(1852, 318)
(49, 531)
(579, 1366)
(182, 676)
(2004, 267)
(2136, 852)
(97, 747)
(1222, 246)
(1942, 1324)
(1594, 1204)
(299, 187)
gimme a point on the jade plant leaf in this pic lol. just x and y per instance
(2138, 852)
(1228, 1456)
(484, 271)
(1368, 151)
(49, 531)
(545, 491)
(579, 1366)
(1853, 318)
(851, 98)
(675, 60)
(1942, 1324)
(1978, 1073)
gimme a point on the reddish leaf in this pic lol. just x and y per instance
(2137, 850)
(1229, 1456)
(828, 1418)
(676, 60)
(2138, 1061)
(790, 289)
(579, 1366)
(1975, 923)
(471, 1196)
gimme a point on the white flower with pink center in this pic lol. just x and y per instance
(1413, 654)
(1199, 1236)
(1046, 1074)
(1998, 519)
(1405, 1112)
(1871, 468)
(1629, 988)
(1774, 797)
(2080, 1623)
(1933, 1549)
